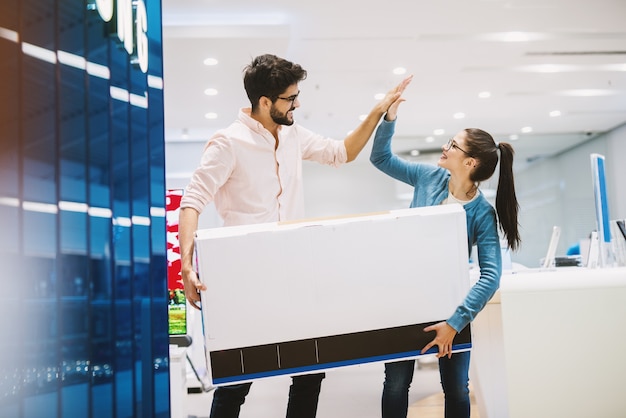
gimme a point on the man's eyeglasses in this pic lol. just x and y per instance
(290, 98)
(452, 144)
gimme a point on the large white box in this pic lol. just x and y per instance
(291, 298)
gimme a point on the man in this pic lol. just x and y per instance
(252, 172)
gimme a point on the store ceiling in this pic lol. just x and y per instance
(534, 57)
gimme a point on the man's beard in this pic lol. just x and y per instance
(280, 118)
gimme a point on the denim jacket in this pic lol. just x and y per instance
(431, 188)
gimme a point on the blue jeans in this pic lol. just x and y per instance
(303, 396)
(454, 373)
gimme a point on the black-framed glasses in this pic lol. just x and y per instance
(452, 144)
(291, 99)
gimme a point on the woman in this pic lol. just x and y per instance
(468, 158)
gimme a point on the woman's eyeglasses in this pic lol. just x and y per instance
(452, 144)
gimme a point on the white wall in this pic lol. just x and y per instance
(616, 154)
(559, 191)
(356, 187)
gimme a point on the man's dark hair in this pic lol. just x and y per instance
(269, 76)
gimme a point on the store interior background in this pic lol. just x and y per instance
(85, 319)
(533, 57)
(555, 66)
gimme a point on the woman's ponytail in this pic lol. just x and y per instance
(506, 201)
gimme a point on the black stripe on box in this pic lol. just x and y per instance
(324, 352)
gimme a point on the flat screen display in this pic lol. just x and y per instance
(602, 209)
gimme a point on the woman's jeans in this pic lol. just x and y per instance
(303, 395)
(454, 373)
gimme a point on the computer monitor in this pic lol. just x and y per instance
(602, 210)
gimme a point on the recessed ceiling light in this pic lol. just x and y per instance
(439, 132)
(587, 92)
(484, 95)
(527, 129)
(555, 113)
(459, 115)
(399, 70)
(210, 92)
(210, 61)
(549, 68)
(513, 36)
(211, 115)
(414, 152)
(430, 139)
(513, 137)
(614, 67)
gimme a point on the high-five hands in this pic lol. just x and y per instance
(393, 98)
(392, 110)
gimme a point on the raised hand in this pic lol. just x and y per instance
(393, 98)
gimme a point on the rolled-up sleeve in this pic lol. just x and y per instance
(321, 149)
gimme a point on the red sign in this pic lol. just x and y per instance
(177, 302)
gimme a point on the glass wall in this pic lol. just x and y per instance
(83, 327)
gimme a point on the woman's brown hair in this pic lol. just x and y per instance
(481, 146)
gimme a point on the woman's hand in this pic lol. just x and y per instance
(443, 339)
(393, 98)
(392, 109)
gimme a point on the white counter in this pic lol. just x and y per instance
(557, 347)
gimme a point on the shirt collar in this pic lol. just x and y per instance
(250, 122)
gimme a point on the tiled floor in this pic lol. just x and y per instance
(348, 392)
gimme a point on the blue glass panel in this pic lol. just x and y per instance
(158, 273)
(124, 393)
(39, 156)
(38, 23)
(44, 405)
(74, 275)
(9, 136)
(11, 323)
(39, 102)
(102, 404)
(100, 220)
(73, 226)
(89, 244)
(40, 233)
(75, 401)
(155, 37)
(124, 364)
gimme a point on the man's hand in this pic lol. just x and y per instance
(393, 98)
(443, 339)
(193, 286)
